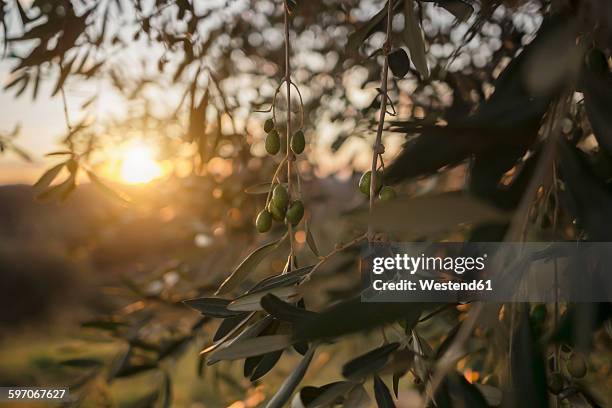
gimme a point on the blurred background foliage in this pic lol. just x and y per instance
(501, 131)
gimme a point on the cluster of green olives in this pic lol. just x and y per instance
(280, 209)
(576, 367)
(385, 193)
(273, 144)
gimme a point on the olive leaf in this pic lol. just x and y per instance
(598, 99)
(456, 390)
(248, 265)
(382, 394)
(312, 244)
(165, 394)
(267, 363)
(213, 307)
(461, 9)
(357, 398)
(60, 191)
(284, 393)
(252, 301)
(308, 394)
(413, 37)
(261, 188)
(527, 365)
(229, 324)
(250, 347)
(369, 363)
(413, 215)
(106, 189)
(283, 310)
(331, 393)
(47, 178)
(81, 363)
(358, 37)
(284, 279)
(351, 316)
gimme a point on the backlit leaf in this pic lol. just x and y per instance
(247, 266)
(289, 385)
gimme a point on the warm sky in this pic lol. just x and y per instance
(42, 124)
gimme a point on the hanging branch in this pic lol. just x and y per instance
(289, 157)
(378, 147)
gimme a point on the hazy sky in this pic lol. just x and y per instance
(42, 124)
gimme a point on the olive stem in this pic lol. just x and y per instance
(381, 121)
(275, 177)
(289, 156)
(339, 249)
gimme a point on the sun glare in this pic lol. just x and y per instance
(138, 164)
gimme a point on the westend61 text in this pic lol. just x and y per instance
(432, 285)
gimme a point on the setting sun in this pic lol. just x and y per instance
(138, 164)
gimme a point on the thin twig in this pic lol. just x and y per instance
(337, 250)
(289, 155)
(381, 121)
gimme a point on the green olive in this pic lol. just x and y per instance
(538, 314)
(364, 182)
(577, 366)
(387, 193)
(264, 221)
(269, 126)
(298, 142)
(280, 197)
(399, 63)
(272, 142)
(555, 383)
(278, 214)
(596, 61)
(295, 213)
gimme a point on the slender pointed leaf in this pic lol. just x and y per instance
(247, 266)
(284, 393)
(382, 394)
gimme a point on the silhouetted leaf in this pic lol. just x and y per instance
(382, 394)
(266, 364)
(285, 279)
(312, 244)
(165, 395)
(81, 363)
(248, 265)
(556, 57)
(414, 39)
(528, 367)
(284, 393)
(368, 363)
(597, 83)
(214, 307)
(414, 215)
(47, 178)
(456, 391)
(589, 199)
(252, 301)
(261, 188)
(357, 398)
(283, 310)
(357, 38)
(461, 9)
(251, 347)
(228, 324)
(351, 316)
(331, 393)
